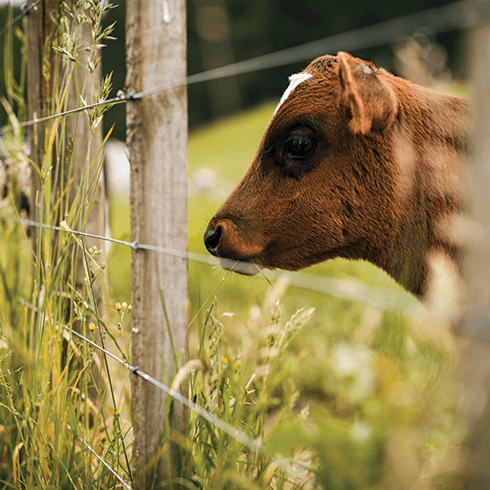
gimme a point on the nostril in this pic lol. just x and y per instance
(212, 238)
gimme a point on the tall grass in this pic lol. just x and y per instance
(372, 408)
(342, 397)
(54, 391)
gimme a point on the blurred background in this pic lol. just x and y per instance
(221, 32)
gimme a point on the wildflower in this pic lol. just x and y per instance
(361, 431)
(92, 326)
(124, 305)
(224, 360)
(118, 306)
(355, 363)
(238, 364)
(130, 307)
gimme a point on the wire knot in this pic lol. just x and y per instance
(122, 95)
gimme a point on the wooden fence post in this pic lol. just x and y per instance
(38, 29)
(477, 316)
(157, 141)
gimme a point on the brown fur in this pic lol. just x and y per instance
(381, 183)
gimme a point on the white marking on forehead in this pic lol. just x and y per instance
(294, 80)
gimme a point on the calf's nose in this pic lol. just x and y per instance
(226, 240)
(212, 238)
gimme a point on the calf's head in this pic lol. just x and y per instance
(329, 180)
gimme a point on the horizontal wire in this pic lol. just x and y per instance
(115, 100)
(456, 15)
(440, 19)
(25, 9)
(134, 245)
(101, 459)
(237, 434)
(380, 298)
(36, 224)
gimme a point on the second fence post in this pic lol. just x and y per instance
(157, 141)
(477, 315)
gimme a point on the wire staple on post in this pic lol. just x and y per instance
(24, 11)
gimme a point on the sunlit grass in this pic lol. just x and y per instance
(55, 395)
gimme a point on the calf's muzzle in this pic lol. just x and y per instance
(230, 243)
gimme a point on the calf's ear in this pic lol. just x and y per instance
(371, 102)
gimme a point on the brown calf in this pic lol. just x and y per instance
(354, 163)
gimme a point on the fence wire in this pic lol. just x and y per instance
(24, 11)
(458, 15)
(389, 300)
(238, 435)
(102, 460)
(252, 444)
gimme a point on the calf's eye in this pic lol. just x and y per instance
(299, 145)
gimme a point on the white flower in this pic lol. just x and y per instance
(361, 431)
(355, 362)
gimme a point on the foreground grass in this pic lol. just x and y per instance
(56, 396)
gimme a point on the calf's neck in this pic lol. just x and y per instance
(356, 163)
